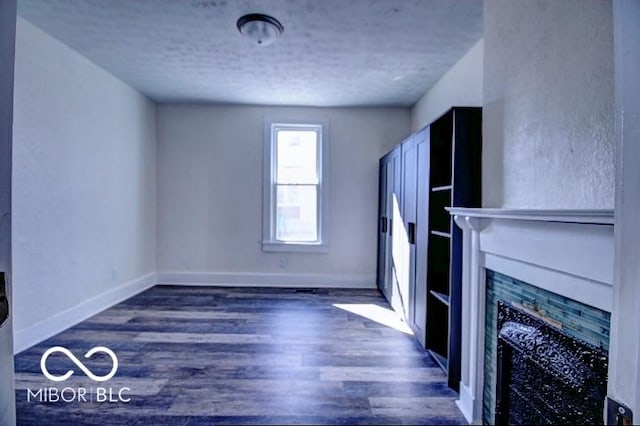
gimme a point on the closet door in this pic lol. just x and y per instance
(406, 275)
(383, 228)
(419, 300)
(394, 236)
(388, 219)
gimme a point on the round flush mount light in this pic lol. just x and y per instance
(261, 29)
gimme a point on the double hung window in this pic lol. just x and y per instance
(294, 198)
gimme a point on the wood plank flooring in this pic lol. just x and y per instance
(204, 356)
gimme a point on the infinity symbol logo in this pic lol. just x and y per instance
(76, 361)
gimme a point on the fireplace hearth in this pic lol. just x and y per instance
(545, 376)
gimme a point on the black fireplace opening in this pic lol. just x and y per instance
(545, 376)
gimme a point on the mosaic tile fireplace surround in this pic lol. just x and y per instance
(556, 262)
(576, 319)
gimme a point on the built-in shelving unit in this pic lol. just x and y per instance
(441, 234)
(454, 180)
(419, 249)
(441, 188)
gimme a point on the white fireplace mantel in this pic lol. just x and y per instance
(567, 252)
(603, 217)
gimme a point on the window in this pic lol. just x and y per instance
(294, 193)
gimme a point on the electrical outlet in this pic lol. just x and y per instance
(283, 261)
(114, 275)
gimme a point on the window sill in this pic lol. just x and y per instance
(277, 246)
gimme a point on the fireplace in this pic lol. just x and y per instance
(576, 319)
(557, 263)
(545, 376)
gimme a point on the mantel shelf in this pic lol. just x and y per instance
(601, 217)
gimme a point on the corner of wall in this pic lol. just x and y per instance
(85, 169)
(460, 86)
(62, 320)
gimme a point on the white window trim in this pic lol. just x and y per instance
(269, 242)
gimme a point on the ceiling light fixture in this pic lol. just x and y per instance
(261, 29)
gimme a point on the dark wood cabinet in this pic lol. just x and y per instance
(420, 250)
(399, 225)
(455, 180)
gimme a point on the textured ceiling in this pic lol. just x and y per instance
(332, 52)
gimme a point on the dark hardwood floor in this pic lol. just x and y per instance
(200, 356)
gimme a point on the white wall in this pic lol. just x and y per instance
(83, 185)
(548, 139)
(460, 86)
(210, 195)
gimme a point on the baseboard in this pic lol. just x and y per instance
(465, 404)
(40, 331)
(287, 280)
(36, 333)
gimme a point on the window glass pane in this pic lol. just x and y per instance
(296, 160)
(296, 213)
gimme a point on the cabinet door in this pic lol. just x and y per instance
(389, 166)
(395, 235)
(406, 275)
(383, 226)
(419, 299)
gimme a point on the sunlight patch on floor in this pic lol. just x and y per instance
(379, 314)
